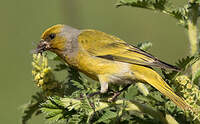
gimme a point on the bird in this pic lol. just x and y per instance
(107, 59)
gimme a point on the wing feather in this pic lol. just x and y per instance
(100, 44)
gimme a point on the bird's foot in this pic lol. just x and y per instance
(114, 97)
(93, 94)
(116, 94)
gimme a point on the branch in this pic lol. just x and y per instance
(192, 31)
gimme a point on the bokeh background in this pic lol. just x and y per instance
(23, 21)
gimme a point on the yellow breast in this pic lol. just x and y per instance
(94, 66)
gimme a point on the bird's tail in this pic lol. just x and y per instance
(154, 79)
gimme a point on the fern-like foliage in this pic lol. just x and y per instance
(197, 77)
(184, 64)
(54, 110)
(147, 4)
(144, 45)
(33, 107)
(181, 14)
(66, 110)
(164, 6)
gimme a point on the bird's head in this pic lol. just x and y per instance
(52, 39)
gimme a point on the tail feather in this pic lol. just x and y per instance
(167, 91)
(154, 79)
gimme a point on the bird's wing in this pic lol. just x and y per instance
(109, 47)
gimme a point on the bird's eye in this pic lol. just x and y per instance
(52, 36)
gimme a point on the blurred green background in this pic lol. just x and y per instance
(22, 23)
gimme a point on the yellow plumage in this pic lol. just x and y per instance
(106, 58)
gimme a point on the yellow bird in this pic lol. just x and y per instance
(106, 58)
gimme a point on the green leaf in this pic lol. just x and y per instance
(75, 119)
(181, 14)
(107, 116)
(164, 6)
(56, 119)
(157, 96)
(142, 88)
(51, 112)
(197, 1)
(51, 55)
(48, 104)
(143, 98)
(54, 109)
(132, 92)
(185, 63)
(148, 4)
(77, 84)
(171, 107)
(144, 45)
(57, 101)
(196, 77)
(60, 67)
(33, 107)
(74, 74)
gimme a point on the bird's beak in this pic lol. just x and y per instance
(42, 46)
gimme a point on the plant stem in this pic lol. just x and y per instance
(192, 32)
